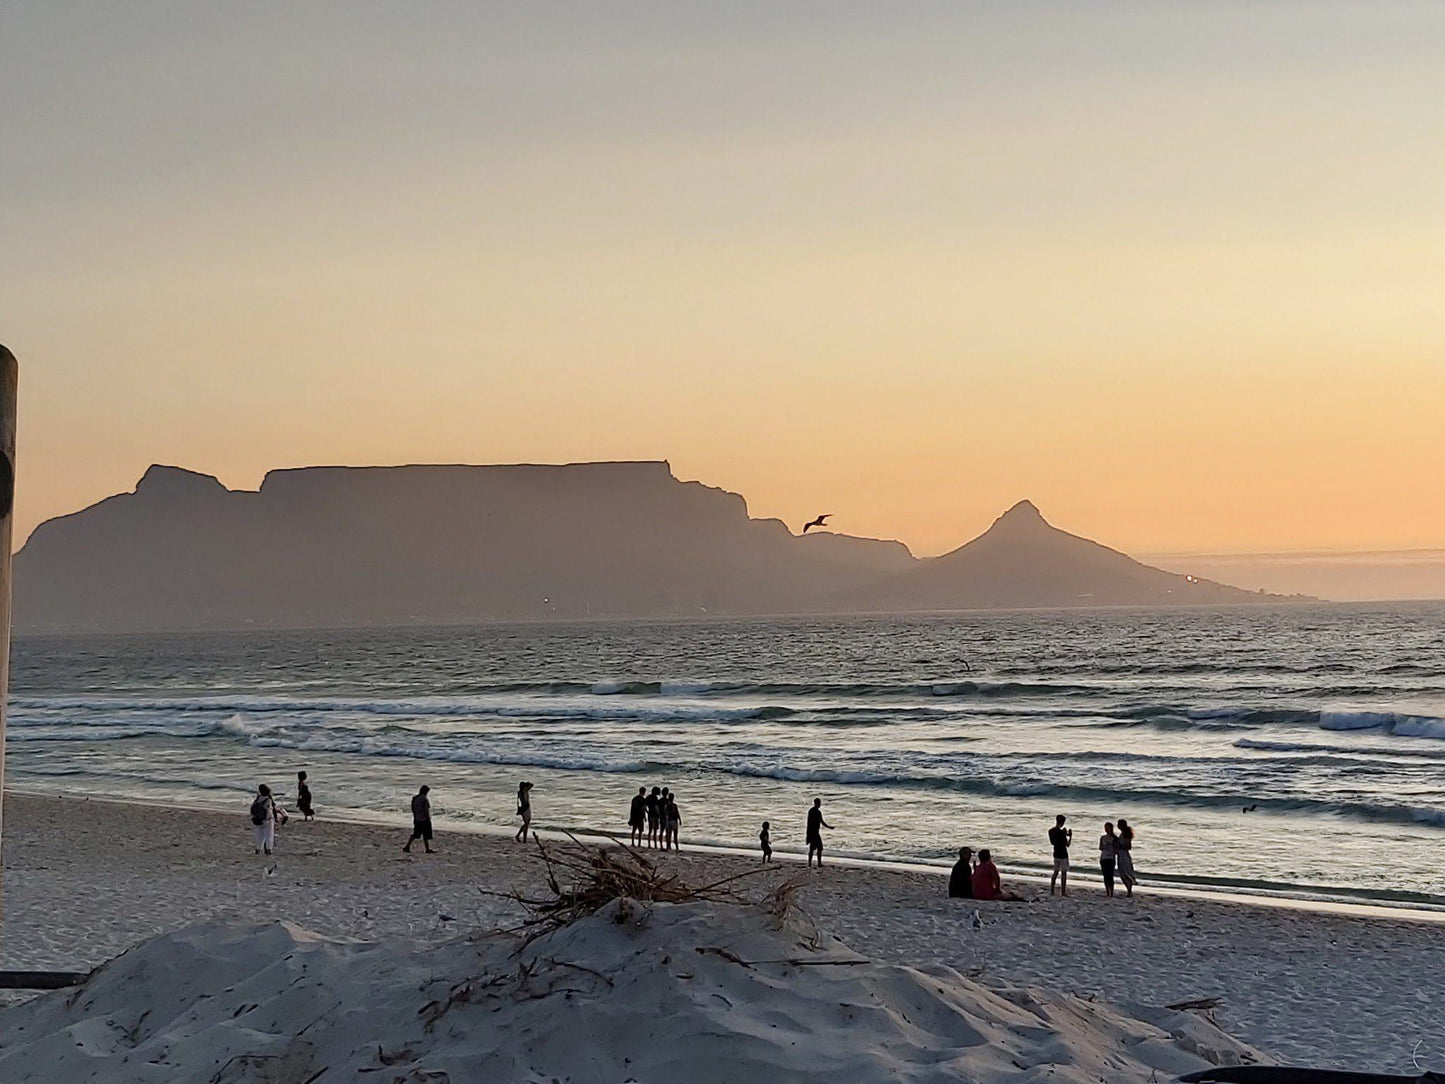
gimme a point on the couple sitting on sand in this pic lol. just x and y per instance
(977, 882)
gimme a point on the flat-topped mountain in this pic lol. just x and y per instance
(347, 546)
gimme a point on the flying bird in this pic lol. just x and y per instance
(1250, 808)
(820, 521)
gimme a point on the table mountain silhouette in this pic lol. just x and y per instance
(375, 546)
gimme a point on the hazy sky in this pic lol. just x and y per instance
(1175, 271)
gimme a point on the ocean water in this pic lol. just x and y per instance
(920, 733)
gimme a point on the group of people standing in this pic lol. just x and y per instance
(655, 817)
(1116, 855)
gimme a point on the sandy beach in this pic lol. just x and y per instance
(87, 879)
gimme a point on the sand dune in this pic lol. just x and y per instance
(699, 992)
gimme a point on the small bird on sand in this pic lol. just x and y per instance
(977, 921)
(820, 521)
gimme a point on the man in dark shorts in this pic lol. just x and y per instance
(637, 815)
(420, 820)
(1060, 837)
(814, 833)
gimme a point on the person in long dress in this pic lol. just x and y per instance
(1124, 857)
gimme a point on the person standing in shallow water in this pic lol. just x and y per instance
(524, 809)
(303, 798)
(420, 820)
(637, 815)
(1060, 837)
(1108, 852)
(814, 832)
(1124, 856)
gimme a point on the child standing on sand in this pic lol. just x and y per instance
(303, 798)
(766, 841)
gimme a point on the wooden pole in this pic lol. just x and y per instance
(9, 376)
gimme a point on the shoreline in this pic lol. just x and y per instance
(1325, 901)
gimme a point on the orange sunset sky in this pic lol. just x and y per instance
(1174, 271)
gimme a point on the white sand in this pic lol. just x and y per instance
(86, 880)
(699, 992)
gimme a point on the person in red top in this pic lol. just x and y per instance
(987, 885)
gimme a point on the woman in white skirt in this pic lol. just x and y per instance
(263, 820)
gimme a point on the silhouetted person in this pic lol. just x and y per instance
(420, 820)
(263, 820)
(654, 815)
(765, 840)
(1060, 837)
(814, 832)
(672, 819)
(524, 809)
(1124, 855)
(1108, 851)
(637, 816)
(987, 884)
(960, 881)
(303, 798)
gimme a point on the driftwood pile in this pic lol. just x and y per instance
(584, 878)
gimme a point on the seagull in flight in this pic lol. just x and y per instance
(820, 521)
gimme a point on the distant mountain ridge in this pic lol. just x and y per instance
(359, 546)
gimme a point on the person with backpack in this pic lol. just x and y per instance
(263, 820)
(420, 820)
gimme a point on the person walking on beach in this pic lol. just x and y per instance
(987, 884)
(637, 816)
(1108, 852)
(1123, 856)
(1060, 837)
(654, 815)
(814, 832)
(765, 840)
(303, 798)
(263, 820)
(672, 820)
(420, 820)
(960, 880)
(524, 809)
